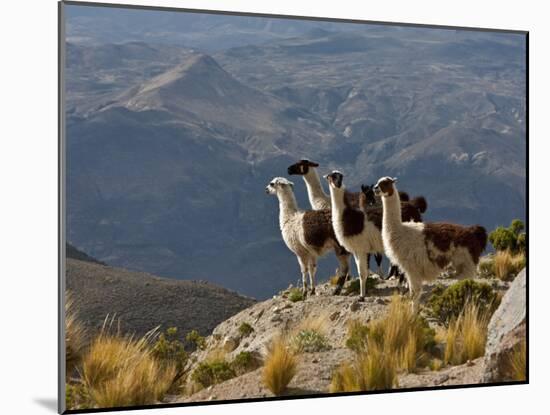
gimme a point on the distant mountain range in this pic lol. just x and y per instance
(169, 148)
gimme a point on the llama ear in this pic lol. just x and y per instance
(394, 180)
(313, 164)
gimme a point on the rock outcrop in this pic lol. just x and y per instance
(507, 330)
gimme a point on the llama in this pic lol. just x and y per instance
(359, 232)
(368, 199)
(423, 250)
(308, 234)
(318, 199)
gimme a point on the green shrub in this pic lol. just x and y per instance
(196, 339)
(446, 304)
(295, 295)
(509, 239)
(310, 341)
(354, 287)
(245, 329)
(357, 336)
(169, 350)
(245, 362)
(210, 373)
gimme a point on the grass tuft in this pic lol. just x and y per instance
(354, 286)
(295, 295)
(372, 370)
(245, 329)
(357, 336)
(508, 265)
(279, 366)
(121, 371)
(466, 336)
(75, 336)
(516, 363)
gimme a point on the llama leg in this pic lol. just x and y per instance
(378, 259)
(363, 270)
(343, 271)
(368, 263)
(303, 269)
(415, 287)
(312, 269)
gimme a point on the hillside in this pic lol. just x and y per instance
(143, 301)
(315, 370)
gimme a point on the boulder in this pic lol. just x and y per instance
(506, 330)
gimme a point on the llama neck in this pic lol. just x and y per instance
(315, 191)
(391, 217)
(337, 203)
(287, 205)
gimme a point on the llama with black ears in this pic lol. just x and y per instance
(423, 250)
(358, 231)
(318, 199)
(308, 234)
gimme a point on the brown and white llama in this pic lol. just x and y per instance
(358, 231)
(318, 200)
(308, 234)
(423, 250)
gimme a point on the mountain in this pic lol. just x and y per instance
(167, 161)
(143, 301)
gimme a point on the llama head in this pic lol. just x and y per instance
(385, 187)
(278, 184)
(302, 167)
(335, 180)
(368, 191)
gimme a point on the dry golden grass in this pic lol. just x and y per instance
(279, 366)
(516, 365)
(372, 370)
(121, 371)
(403, 332)
(466, 336)
(75, 336)
(508, 265)
(398, 341)
(317, 323)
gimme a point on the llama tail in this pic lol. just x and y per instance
(419, 203)
(404, 196)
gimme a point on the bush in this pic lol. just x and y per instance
(509, 239)
(245, 329)
(196, 339)
(121, 371)
(354, 287)
(75, 336)
(446, 304)
(295, 295)
(169, 351)
(466, 336)
(357, 336)
(245, 362)
(508, 265)
(310, 341)
(211, 373)
(279, 366)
